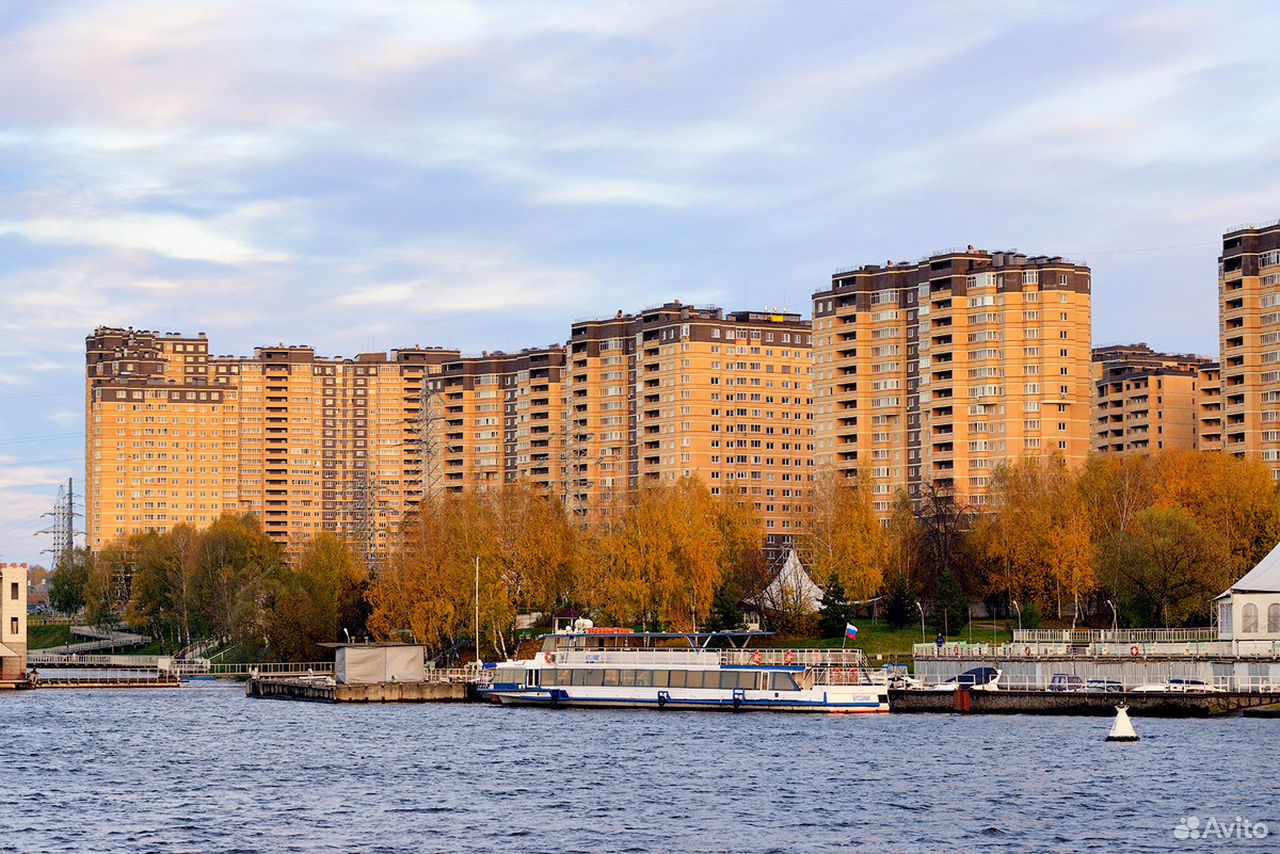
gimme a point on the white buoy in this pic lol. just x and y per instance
(1122, 729)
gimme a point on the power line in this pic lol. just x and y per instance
(40, 462)
(48, 437)
(1078, 254)
(47, 394)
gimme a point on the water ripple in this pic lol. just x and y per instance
(203, 768)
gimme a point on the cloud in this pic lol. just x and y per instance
(476, 174)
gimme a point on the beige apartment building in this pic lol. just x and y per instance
(600, 413)
(727, 397)
(498, 418)
(1147, 401)
(307, 443)
(932, 372)
(1249, 330)
(1209, 408)
(668, 392)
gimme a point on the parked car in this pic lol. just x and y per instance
(1066, 682)
(978, 678)
(1191, 686)
(1104, 686)
(1176, 686)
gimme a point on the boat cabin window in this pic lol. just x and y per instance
(550, 677)
(627, 678)
(661, 678)
(644, 678)
(783, 681)
(611, 677)
(678, 678)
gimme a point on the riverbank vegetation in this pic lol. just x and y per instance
(1156, 536)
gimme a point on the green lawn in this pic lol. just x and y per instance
(43, 636)
(879, 639)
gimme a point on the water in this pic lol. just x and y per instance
(203, 768)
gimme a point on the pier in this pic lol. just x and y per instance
(372, 692)
(1006, 701)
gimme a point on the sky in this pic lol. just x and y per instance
(362, 176)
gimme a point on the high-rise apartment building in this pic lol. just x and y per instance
(1146, 401)
(668, 392)
(498, 418)
(310, 443)
(600, 415)
(1249, 331)
(1209, 408)
(932, 372)
(306, 443)
(727, 397)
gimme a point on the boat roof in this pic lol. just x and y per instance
(599, 634)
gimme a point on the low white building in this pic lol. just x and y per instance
(1250, 608)
(368, 663)
(13, 622)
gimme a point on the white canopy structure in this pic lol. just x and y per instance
(1250, 608)
(791, 589)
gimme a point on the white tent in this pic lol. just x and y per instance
(791, 588)
(1250, 608)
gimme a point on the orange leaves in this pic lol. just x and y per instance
(840, 535)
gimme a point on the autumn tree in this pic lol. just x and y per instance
(232, 553)
(840, 535)
(68, 581)
(1035, 540)
(160, 595)
(1165, 569)
(288, 611)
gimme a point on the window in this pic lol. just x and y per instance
(13, 591)
(783, 682)
(1249, 619)
(13, 625)
(1273, 618)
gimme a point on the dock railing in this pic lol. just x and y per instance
(1081, 637)
(793, 657)
(1126, 682)
(1110, 649)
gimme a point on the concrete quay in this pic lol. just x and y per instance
(1038, 702)
(311, 690)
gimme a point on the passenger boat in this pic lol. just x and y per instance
(618, 668)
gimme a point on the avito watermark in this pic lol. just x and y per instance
(1194, 827)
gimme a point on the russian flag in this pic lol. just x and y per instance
(850, 631)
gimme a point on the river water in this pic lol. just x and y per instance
(203, 768)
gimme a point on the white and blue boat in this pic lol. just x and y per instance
(618, 668)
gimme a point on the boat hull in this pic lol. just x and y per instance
(840, 702)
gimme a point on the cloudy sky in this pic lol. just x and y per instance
(360, 176)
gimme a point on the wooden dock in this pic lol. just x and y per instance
(316, 691)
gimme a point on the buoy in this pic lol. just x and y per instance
(1122, 729)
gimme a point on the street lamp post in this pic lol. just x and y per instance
(1018, 608)
(1115, 619)
(921, 610)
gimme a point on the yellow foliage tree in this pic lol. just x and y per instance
(839, 535)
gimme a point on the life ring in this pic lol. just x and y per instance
(549, 657)
(790, 657)
(1134, 651)
(1026, 650)
(755, 657)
